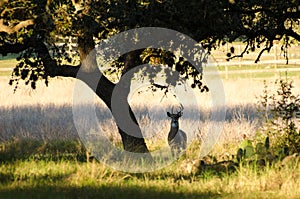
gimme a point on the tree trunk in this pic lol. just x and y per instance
(105, 90)
(130, 143)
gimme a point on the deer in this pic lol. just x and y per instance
(177, 138)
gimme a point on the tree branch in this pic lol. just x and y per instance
(240, 55)
(290, 32)
(261, 52)
(247, 11)
(77, 5)
(64, 71)
(14, 48)
(14, 10)
(51, 67)
(16, 28)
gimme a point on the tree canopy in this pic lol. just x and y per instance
(33, 29)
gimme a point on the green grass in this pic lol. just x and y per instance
(38, 176)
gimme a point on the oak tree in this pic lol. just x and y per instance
(33, 29)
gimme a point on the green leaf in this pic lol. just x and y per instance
(248, 151)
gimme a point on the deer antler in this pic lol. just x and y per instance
(178, 109)
(181, 108)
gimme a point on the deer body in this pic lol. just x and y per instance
(177, 138)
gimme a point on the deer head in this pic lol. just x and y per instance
(175, 115)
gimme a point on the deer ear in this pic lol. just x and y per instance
(180, 114)
(169, 114)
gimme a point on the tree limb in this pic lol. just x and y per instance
(14, 10)
(77, 5)
(16, 28)
(267, 48)
(51, 67)
(64, 71)
(240, 55)
(290, 32)
(14, 48)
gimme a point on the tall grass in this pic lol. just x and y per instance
(46, 113)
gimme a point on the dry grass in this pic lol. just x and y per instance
(46, 113)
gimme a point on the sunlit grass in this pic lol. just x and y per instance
(70, 178)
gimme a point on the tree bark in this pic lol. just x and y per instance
(130, 143)
(16, 28)
(105, 90)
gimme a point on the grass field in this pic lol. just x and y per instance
(72, 179)
(41, 155)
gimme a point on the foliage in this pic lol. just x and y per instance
(34, 28)
(279, 113)
(258, 153)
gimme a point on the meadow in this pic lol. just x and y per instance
(42, 156)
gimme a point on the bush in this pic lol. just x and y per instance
(279, 113)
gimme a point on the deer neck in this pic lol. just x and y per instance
(173, 131)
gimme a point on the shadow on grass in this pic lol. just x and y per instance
(100, 191)
(8, 178)
(55, 150)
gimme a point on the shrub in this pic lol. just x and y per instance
(279, 112)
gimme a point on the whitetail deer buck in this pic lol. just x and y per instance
(176, 138)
